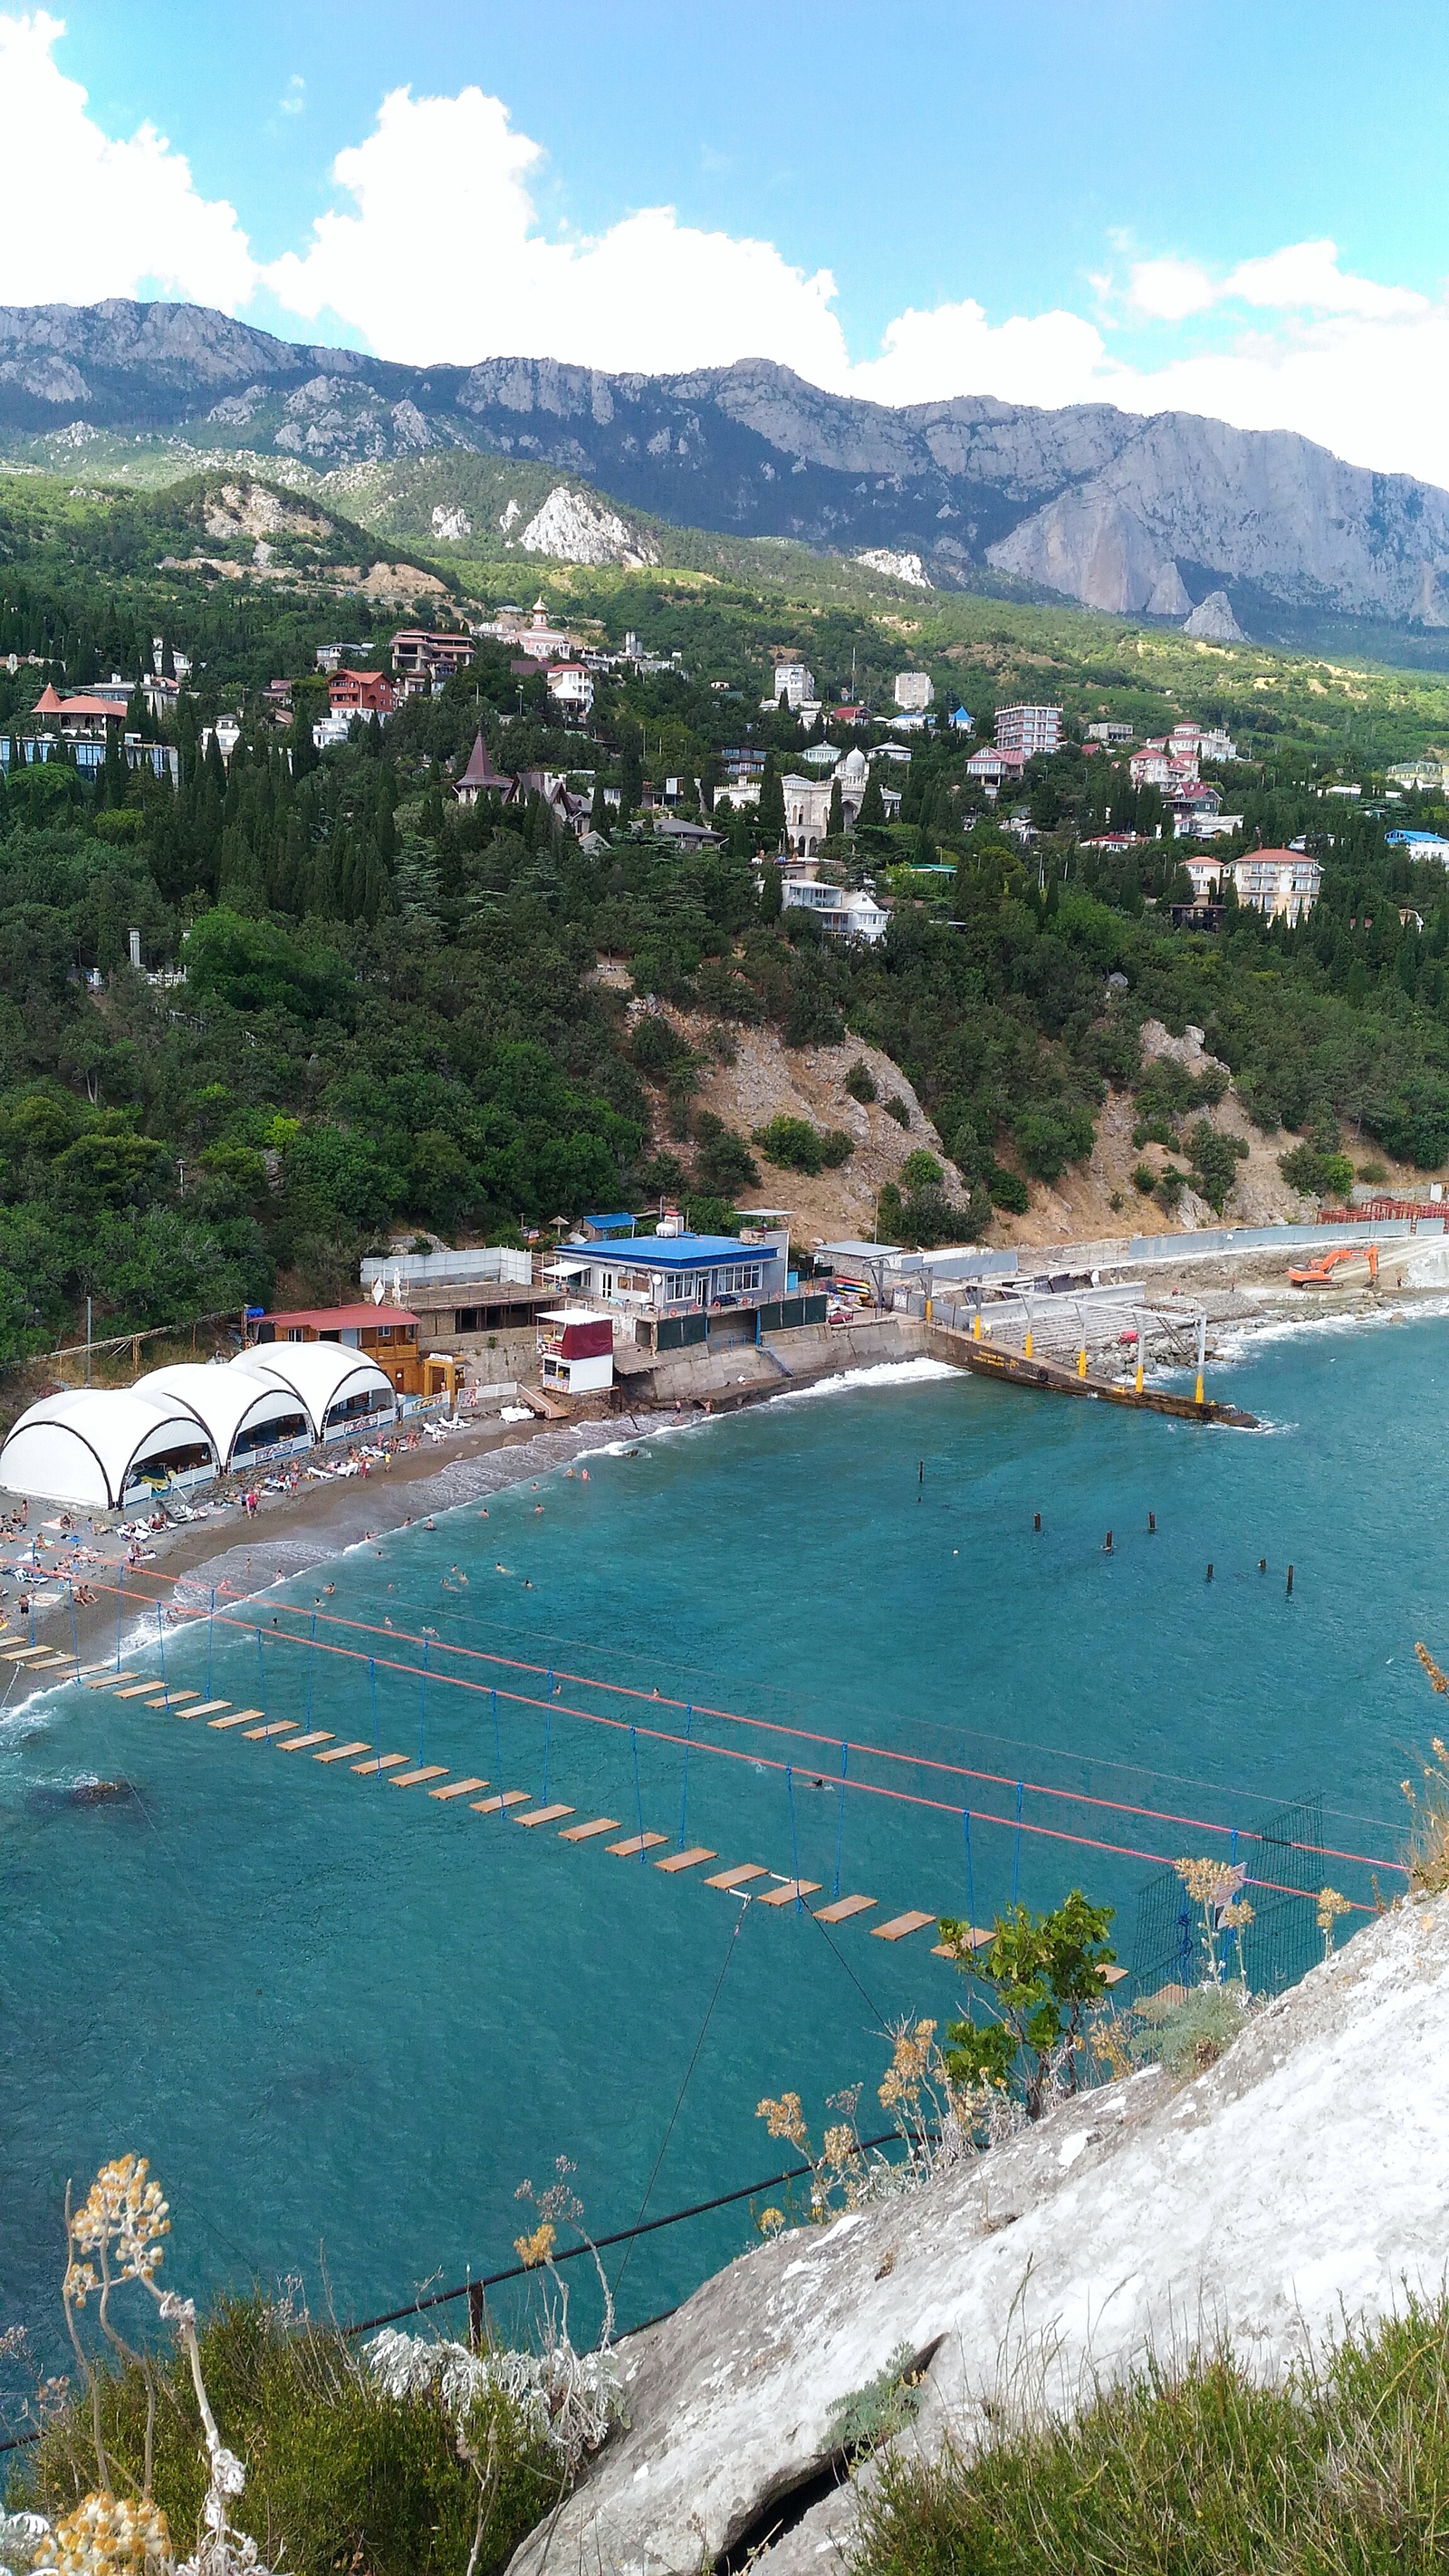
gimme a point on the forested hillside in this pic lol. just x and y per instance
(390, 1012)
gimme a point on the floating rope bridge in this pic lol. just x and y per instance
(515, 1693)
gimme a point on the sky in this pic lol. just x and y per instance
(1196, 204)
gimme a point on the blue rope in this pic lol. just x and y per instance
(638, 1798)
(1016, 1857)
(794, 1846)
(422, 1699)
(684, 1801)
(970, 1875)
(262, 1682)
(161, 1640)
(840, 1820)
(211, 1638)
(498, 1752)
(120, 1597)
(311, 1659)
(372, 1680)
(74, 1639)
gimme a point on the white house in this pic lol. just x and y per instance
(570, 686)
(845, 912)
(576, 1350)
(1282, 883)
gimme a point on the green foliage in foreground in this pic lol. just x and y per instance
(339, 2476)
(1040, 1977)
(1197, 2472)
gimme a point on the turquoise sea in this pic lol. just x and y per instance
(346, 2023)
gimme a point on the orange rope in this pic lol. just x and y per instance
(701, 1744)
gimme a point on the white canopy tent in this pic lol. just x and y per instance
(239, 1417)
(104, 1447)
(343, 1390)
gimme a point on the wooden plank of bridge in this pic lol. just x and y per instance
(23, 1654)
(304, 1743)
(50, 1660)
(427, 1771)
(457, 1789)
(138, 1690)
(842, 1908)
(687, 1859)
(901, 1926)
(543, 1816)
(240, 1718)
(1113, 1976)
(172, 1699)
(342, 1752)
(791, 1892)
(109, 1679)
(205, 1708)
(971, 1940)
(84, 1672)
(274, 1726)
(379, 1763)
(505, 1799)
(731, 1878)
(586, 1833)
(637, 1845)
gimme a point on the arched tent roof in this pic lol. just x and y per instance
(225, 1401)
(85, 1445)
(323, 1374)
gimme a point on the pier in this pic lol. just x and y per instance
(1021, 1367)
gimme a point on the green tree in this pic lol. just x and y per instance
(770, 812)
(1038, 1978)
(835, 822)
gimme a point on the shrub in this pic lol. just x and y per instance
(1214, 1160)
(1319, 1175)
(1040, 1976)
(896, 1108)
(1008, 1190)
(860, 1082)
(1374, 1173)
(723, 1162)
(656, 1045)
(921, 1171)
(1171, 1186)
(1048, 1139)
(795, 1146)
(1144, 1179)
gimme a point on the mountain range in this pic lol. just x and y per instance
(1140, 516)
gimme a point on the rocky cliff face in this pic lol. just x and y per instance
(1137, 516)
(1296, 2187)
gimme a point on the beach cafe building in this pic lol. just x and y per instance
(676, 1290)
(388, 1334)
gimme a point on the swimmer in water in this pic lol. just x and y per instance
(584, 1475)
(528, 1587)
(429, 1522)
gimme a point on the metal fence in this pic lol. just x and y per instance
(1284, 1862)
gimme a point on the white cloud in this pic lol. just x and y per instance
(1168, 290)
(86, 217)
(294, 96)
(650, 293)
(440, 255)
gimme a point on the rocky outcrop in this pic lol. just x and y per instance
(575, 528)
(1119, 512)
(1213, 622)
(1297, 2186)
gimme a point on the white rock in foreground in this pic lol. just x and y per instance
(1301, 2183)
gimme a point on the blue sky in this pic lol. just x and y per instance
(1044, 201)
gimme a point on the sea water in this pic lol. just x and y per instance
(349, 2024)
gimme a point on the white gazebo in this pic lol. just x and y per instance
(342, 1389)
(243, 1421)
(105, 1448)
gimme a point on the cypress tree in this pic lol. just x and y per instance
(835, 825)
(771, 808)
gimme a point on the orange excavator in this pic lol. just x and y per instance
(1321, 1273)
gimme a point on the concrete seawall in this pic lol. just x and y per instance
(742, 1372)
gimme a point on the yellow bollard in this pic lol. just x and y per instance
(1199, 1398)
(1027, 1353)
(1082, 1361)
(976, 1326)
(1139, 1377)
(928, 1310)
